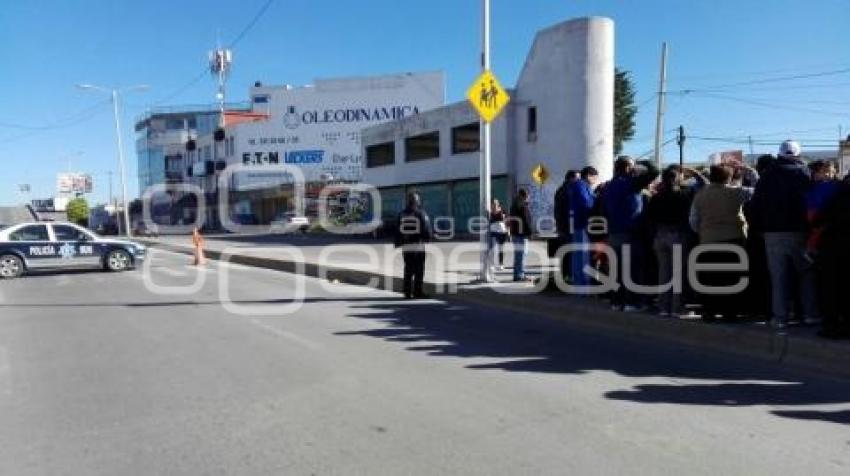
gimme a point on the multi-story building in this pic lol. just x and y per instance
(314, 129)
(161, 143)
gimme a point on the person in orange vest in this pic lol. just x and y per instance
(198, 243)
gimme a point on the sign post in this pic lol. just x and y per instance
(488, 98)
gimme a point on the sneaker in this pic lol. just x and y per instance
(809, 257)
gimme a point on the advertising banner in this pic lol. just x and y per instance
(73, 183)
(318, 128)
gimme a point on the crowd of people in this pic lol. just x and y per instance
(768, 242)
(780, 231)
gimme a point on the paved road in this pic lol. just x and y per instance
(100, 375)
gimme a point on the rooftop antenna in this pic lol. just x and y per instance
(220, 64)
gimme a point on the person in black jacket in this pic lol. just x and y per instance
(520, 228)
(779, 210)
(667, 214)
(414, 230)
(563, 222)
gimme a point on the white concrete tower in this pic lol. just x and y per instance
(567, 85)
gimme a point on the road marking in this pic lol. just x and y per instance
(285, 334)
(172, 272)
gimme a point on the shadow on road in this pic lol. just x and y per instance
(535, 344)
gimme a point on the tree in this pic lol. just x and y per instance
(78, 211)
(624, 109)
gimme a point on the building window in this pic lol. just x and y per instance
(380, 154)
(174, 124)
(207, 153)
(532, 124)
(263, 99)
(422, 147)
(466, 138)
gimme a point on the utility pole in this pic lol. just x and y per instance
(662, 92)
(680, 139)
(750, 140)
(114, 95)
(485, 147)
(109, 173)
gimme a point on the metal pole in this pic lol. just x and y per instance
(126, 206)
(681, 142)
(485, 150)
(662, 92)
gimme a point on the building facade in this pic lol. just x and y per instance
(314, 129)
(561, 117)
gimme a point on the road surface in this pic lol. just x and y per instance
(148, 372)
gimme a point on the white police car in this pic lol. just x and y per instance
(33, 246)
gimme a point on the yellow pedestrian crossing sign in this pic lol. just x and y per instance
(540, 174)
(487, 96)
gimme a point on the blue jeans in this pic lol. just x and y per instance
(497, 241)
(520, 250)
(580, 259)
(785, 261)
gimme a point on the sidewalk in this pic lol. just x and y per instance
(453, 268)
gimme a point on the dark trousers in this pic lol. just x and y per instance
(623, 296)
(414, 271)
(727, 305)
(833, 283)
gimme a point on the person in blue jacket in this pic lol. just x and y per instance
(582, 199)
(623, 206)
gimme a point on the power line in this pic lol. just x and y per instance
(770, 80)
(63, 122)
(652, 150)
(768, 105)
(755, 73)
(196, 79)
(251, 23)
(736, 140)
(73, 120)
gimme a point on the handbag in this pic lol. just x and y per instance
(498, 227)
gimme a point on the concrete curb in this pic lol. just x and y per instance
(800, 351)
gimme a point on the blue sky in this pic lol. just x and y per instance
(47, 46)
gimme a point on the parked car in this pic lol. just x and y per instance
(39, 245)
(289, 222)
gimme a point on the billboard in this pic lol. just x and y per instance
(734, 158)
(73, 183)
(317, 128)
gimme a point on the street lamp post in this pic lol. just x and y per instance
(114, 94)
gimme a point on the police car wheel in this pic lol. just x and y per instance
(11, 267)
(118, 260)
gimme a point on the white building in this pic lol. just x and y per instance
(561, 116)
(315, 128)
